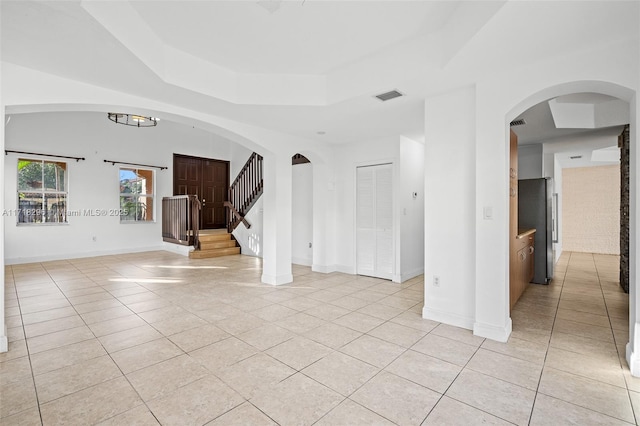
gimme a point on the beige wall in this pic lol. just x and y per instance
(591, 209)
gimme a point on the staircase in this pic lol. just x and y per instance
(215, 243)
(244, 192)
(181, 215)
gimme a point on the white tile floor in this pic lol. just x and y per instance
(157, 338)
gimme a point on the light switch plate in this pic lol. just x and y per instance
(487, 213)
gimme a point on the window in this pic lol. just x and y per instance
(136, 195)
(42, 191)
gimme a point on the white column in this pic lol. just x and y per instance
(4, 344)
(492, 230)
(323, 211)
(276, 266)
(449, 210)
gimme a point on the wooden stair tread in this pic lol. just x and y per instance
(215, 243)
(204, 245)
(214, 237)
(216, 252)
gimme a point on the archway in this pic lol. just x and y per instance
(629, 96)
(208, 124)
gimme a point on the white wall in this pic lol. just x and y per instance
(450, 205)
(557, 189)
(94, 184)
(251, 240)
(239, 156)
(500, 98)
(472, 127)
(347, 158)
(302, 214)
(411, 209)
(407, 157)
(530, 161)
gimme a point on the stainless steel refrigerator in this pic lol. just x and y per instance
(534, 211)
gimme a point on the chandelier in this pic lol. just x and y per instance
(133, 119)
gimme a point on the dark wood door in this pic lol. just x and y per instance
(209, 180)
(215, 184)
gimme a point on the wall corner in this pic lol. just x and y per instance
(490, 331)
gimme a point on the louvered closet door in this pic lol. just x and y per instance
(374, 221)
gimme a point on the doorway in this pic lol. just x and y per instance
(208, 179)
(584, 300)
(374, 221)
(302, 211)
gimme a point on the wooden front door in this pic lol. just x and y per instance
(209, 180)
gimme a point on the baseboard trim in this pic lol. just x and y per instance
(346, 269)
(65, 256)
(447, 318)
(633, 360)
(178, 248)
(277, 279)
(304, 261)
(411, 274)
(323, 269)
(489, 331)
(4, 340)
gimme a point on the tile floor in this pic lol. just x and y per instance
(157, 338)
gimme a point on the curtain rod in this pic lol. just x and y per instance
(113, 163)
(7, 151)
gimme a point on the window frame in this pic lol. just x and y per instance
(43, 192)
(123, 213)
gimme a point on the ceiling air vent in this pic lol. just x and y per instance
(389, 95)
(518, 122)
(575, 157)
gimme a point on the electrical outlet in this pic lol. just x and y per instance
(436, 281)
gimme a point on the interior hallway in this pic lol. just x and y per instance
(158, 338)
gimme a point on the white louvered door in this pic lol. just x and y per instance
(374, 221)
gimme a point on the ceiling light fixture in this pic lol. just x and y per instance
(133, 119)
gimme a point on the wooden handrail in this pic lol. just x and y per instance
(237, 215)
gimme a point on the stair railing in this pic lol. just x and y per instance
(181, 220)
(244, 192)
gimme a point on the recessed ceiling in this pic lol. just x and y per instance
(542, 125)
(421, 48)
(311, 37)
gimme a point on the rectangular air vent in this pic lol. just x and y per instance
(518, 122)
(575, 157)
(389, 95)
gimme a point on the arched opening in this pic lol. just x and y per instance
(301, 211)
(106, 147)
(581, 301)
(310, 194)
